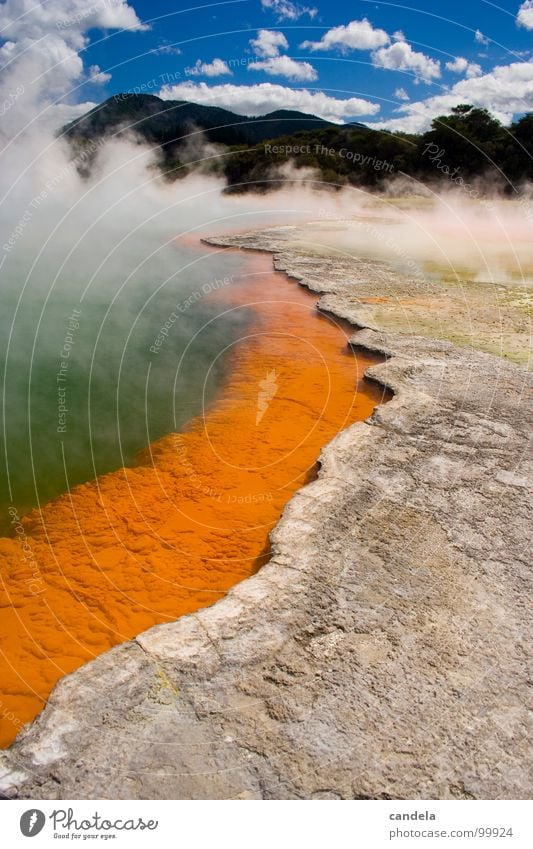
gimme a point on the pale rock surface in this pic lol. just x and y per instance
(383, 652)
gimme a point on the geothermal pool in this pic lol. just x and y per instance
(248, 393)
(78, 402)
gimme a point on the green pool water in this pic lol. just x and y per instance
(92, 375)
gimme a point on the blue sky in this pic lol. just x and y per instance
(385, 64)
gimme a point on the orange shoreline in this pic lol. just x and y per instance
(144, 545)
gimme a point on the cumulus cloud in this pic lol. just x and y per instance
(216, 68)
(525, 15)
(284, 66)
(506, 91)
(23, 19)
(268, 46)
(473, 70)
(400, 56)
(401, 94)
(460, 65)
(269, 43)
(357, 35)
(480, 38)
(96, 75)
(49, 65)
(40, 53)
(266, 97)
(285, 10)
(362, 35)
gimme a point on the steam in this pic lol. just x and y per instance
(489, 241)
(93, 268)
(92, 271)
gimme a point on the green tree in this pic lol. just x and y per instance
(470, 139)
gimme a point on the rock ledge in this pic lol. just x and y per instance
(382, 653)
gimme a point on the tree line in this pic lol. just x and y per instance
(469, 148)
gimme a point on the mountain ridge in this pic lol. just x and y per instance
(165, 122)
(469, 148)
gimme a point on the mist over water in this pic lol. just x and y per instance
(113, 313)
(488, 240)
(113, 323)
(84, 392)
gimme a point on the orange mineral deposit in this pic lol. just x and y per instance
(144, 545)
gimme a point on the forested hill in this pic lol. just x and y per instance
(169, 122)
(467, 148)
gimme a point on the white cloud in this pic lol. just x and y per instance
(401, 57)
(525, 15)
(49, 67)
(473, 70)
(480, 38)
(284, 66)
(42, 42)
(288, 11)
(98, 76)
(269, 43)
(401, 94)
(70, 18)
(266, 97)
(460, 65)
(167, 49)
(506, 91)
(361, 35)
(216, 68)
(357, 35)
